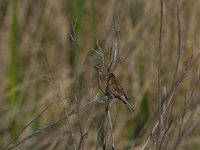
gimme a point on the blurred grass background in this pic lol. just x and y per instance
(29, 27)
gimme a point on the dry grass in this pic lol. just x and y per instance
(39, 98)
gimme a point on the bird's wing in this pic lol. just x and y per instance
(114, 86)
(116, 89)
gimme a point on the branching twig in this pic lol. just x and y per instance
(73, 36)
(99, 51)
(36, 118)
(48, 126)
(58, 86)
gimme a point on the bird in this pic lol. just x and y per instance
(110, 86)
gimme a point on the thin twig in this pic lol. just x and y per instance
(74, 111)
(116, 55)
(159, 72)
(105, 136)
(163, 136)
(79, 123)
(111, 130)
(107, 102)
(52, 80)
(99, 131)
(193, 126)
(71, 130)
(179, 41)
(99, 51)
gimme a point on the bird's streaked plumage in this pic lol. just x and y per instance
(110, 86)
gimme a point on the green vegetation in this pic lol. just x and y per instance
(14, 61)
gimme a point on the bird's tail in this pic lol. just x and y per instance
(125, 101)
(130, 108)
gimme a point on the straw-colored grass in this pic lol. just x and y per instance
(35, 88)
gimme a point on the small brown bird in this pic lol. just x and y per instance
(110, 86)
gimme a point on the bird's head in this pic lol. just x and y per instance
(102, 68)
